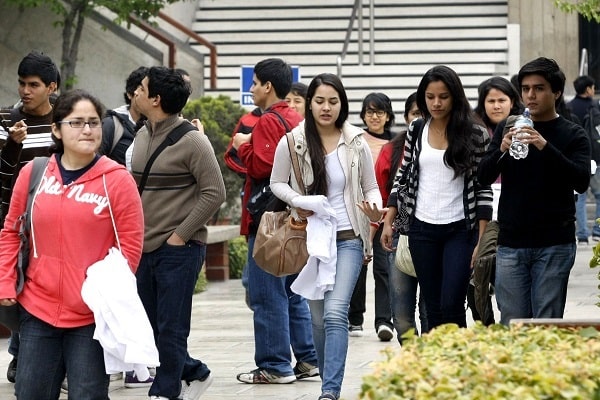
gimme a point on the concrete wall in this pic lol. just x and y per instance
(105, 59)
(547, 31)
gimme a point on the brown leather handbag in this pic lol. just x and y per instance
(280, 244)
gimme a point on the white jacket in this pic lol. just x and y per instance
(357, 163)
(122, 326)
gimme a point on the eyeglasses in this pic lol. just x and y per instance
(79, 124)
(370, 112)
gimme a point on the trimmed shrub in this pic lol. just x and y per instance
(238, 254)
(521, 362)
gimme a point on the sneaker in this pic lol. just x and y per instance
(595, 238)
(11, 372)
(327, 396)
(158, 398)
(583, 240)
(355, 330)
(194, 389)
(132, 381)
(64, 386)
(116, 377)
(385, 333)
(260, 375)
(304, 370)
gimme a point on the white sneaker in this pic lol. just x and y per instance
(194, 389)
(158, 398)
(385, 333)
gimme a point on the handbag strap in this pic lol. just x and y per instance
(295, 164)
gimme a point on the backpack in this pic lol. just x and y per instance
(591, 124)
(123, 136)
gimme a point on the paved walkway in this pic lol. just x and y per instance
(222, 337)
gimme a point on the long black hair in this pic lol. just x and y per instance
(461, 123)
(313, 139)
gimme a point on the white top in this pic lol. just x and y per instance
(440, 196)
(335, 190)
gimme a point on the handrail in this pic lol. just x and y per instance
(342, 55)
(583, 63)
(201, 40)
(154, 32)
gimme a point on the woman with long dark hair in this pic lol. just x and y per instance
(448, 207)
(337, 170)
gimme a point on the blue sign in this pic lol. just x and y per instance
(246, 82)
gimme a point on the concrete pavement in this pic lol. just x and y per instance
(222, 337)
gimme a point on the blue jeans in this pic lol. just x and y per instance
(383, 312)
(281, 320)
(166, 279)
(532, 282)
(13, 344)
(442, 258)
(330, 317)
(403, 298)
(581, 213)
(47, 353)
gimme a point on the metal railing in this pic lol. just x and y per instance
(583, 62)
(357, 9)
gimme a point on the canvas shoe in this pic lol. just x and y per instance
(385, 333)
(132, 381)
(260, 375)
(355, 330)
(11, 372)
(194, 389)
(304, 370)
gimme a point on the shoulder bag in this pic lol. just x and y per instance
(280, 244)
(9, 315)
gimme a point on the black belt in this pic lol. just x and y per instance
(347, 234)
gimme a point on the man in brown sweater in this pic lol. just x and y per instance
(184, 189)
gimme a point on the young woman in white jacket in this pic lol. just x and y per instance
(337, 170)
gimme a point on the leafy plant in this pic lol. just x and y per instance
(521, 362)
(589, 9)
(219, 116)
(238, 254)
(595, 261)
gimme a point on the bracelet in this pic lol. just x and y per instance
(375, 224)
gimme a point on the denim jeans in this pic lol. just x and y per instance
(47, 353)
(166, 279)
(281, 320)
(330, 317)
(532, 282)
(403, 298)
(383, 312)
(13, 344)
(442, 258)
(581, 212)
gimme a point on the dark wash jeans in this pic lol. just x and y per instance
(166, 279)
(442, 258)
(47, 353)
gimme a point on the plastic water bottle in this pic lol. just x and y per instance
(518, 149)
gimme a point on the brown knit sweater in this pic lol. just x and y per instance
(185, 187)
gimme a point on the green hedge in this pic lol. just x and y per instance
(238, 254)
(523, 362)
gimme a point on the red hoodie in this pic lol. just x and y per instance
(71, 230)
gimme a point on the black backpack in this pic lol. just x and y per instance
(591, 124)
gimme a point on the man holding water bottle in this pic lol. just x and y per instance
(536, 212)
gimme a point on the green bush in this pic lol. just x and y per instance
(238, 254)
(523, 362)
(219, 116)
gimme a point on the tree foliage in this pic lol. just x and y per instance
(219, 116)
(71, 17)
(589, 9)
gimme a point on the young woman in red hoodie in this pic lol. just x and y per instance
(71, 229)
